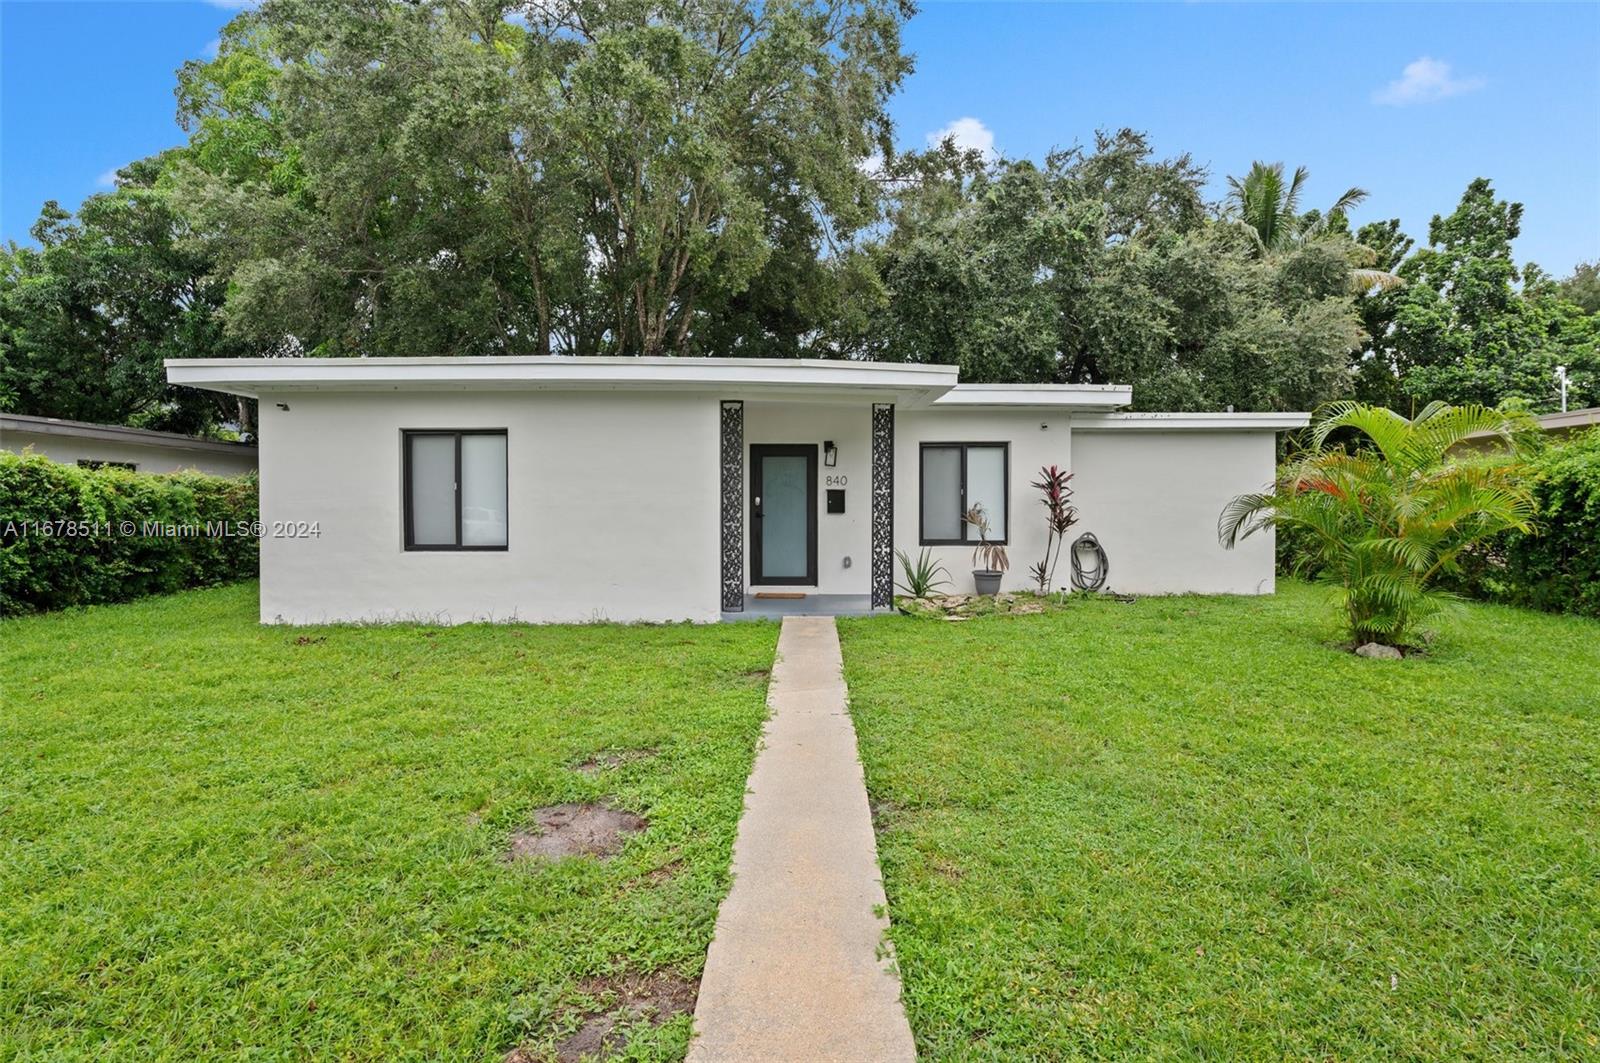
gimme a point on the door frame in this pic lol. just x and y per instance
(758, 452)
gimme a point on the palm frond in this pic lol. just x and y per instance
(1366, 280)
(1353, 197)
(1243, 517)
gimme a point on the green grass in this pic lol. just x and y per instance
(1195, 828)
(219, 840)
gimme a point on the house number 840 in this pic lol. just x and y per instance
(838, 481)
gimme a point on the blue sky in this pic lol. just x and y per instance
(1410, 101)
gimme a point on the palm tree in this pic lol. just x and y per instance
(1268, 208)
(1382, 521)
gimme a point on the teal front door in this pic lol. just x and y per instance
(783, 514)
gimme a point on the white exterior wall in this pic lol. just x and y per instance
(145, 457)
(613, 504)
(839, 535)
(1152, 498)
(1036, 438)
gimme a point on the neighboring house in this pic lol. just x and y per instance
(94, 445)
(1569, 422)
(571, 489)
(1558, 426)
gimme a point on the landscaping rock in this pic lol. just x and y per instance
(1378, 651)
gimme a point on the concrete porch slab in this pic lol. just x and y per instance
(811, 605)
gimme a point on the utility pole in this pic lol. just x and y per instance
(1561, 378)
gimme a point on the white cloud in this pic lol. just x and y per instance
(969, 134)
(234, 5)
(213, 46)
(107, 179)
(1425, 80)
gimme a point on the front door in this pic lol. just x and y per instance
(783, 514)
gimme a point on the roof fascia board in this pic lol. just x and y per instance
(1190, 422)
(911, 384)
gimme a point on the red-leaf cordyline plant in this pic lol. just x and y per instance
(1055, 484)
(1384, 518)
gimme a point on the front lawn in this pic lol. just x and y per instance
(219, 840)
(1194, 827)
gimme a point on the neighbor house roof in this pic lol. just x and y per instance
(1570, 419)
(116, 433)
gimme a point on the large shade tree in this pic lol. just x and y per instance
(89, 314)
(589, 177)
(1104, 265)
(1470, 327)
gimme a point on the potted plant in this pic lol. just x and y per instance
(989, 558)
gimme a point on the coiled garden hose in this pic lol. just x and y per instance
(1090, 576)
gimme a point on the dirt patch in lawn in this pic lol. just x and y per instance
(622, 1002)
(613, 758)
(575, 829)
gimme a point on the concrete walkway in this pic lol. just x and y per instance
(798, 968)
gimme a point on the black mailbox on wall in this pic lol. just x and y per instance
(835, 500)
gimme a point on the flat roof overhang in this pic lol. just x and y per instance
(1058, 397)
(797, 380)
(1190, 422)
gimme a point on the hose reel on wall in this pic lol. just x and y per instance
(1090, 566)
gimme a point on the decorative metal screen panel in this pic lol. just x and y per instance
(733, 507)
(882, 505)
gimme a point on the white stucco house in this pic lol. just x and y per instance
(135, 449)
(655, 489)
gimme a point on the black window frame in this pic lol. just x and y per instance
(406, 435)
(922, 496)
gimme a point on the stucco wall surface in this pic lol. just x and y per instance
(612, 509)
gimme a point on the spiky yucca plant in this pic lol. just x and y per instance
(1385, 517)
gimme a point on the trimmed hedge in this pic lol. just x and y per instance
(1557, 569)
(74, 536)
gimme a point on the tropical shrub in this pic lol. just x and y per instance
(922, 576)
(1384, 518)
(1055, 486)
(75, 536)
